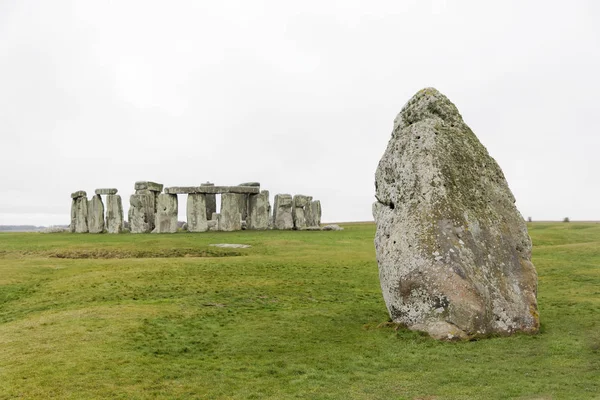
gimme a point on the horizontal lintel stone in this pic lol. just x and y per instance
(152, 186)
(106, 191)
(79, 193)
(212, 189)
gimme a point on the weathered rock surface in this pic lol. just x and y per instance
(211, 189)
(213, 224)
(147, 185)
(332, 227)
(230, 217)
(300, 204)
(166, 213)
(114, 214)
(453, 251)
(259, 210)
(282, 212)
(95, 215)
(79, 193)
(312, 213)
(106, 191)
(141, 213)
(79, 213)
(196, 213)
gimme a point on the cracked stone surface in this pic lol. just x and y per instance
(453, 251)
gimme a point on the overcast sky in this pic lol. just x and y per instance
(300, 96)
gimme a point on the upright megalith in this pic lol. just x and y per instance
(282, 212)
(230, 217)
(259, 210)
(300, 202)
(312, 213)
(143, 206)
(452, 249)
(95, 214)
(166, 213)
(114, 213)
(244, 199)
(141, 213)
(196, 212)
(211, 201)
(79, 212)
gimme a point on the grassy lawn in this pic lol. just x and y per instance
(297, 315)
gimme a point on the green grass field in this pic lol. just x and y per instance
(297, 315)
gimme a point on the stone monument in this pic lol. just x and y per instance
(453, 252)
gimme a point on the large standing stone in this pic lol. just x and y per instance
(259, 211)
(143, 206)
(312, 213)
(298, 211)
(141, 212)
(166, 213)
(244, 199)
(196, 213)
(453, 251)
(282, 212)
(79, 212)
(211, 201)
(230, 217)
(114, 214)
(96, 214)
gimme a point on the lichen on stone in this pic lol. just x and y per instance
(447, 228)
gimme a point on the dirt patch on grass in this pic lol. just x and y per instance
(143, 253)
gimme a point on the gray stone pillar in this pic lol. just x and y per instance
(166, 213)
(196, 212)
(143, 205)
(313, 211)
(298, 211)
(79, 212)
(244, 199)
(211, 202)
(259, 211)
(282, 212)
(114, 214)
(95, 214)
(230, 217)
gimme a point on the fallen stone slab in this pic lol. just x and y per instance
(212, 189)
(105, 191)
(152, 186)
(231, 245)
(332, 227)
(79, 193)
